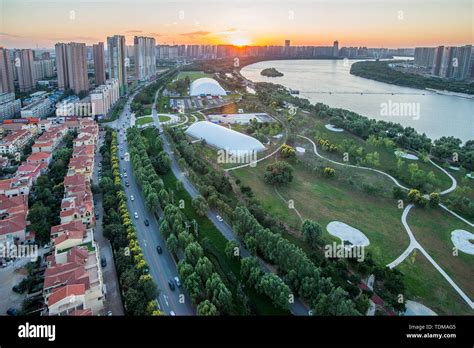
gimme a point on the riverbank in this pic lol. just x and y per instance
(382, 72)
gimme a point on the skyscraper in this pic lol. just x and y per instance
(71, 65)
(145, 57)
(335, 49)
(23, 60)
(6, 72)
(116, 51)
(99, 63)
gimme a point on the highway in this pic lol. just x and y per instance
(162, 266)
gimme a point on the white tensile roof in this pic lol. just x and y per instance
(224, 138)
(206, 86)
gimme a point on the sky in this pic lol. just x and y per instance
(371, 23)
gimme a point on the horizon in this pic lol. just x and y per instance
(403, 24)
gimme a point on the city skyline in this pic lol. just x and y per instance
(373, 24)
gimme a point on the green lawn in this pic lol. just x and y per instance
(326, 200)
(432, 228)
(144, 120)
(193, 75)
(424, 284)
(164, 118)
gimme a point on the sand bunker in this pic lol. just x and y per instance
(463, 240)
(300, 149)
(347, 233)
(406, 155)
(416, 308)
(333, 129)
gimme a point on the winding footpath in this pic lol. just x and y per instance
(414, 244)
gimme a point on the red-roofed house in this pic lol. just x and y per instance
(40, 158)
(66, 299)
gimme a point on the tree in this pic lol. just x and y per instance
(311, 233)
(272, 285)
(398, 193)
(434, 199)
(193, 253)
(329, 172)
(203, 268)
(207, 308)
(218, 293)
(278, 173)
(231, 248)
(287, 151)
(200, 205)
(335, 303)
(172, 243)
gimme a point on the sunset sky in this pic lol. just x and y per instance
(373, 23)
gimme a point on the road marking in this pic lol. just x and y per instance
(166, 300)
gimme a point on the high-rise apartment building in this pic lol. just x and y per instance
(23, 61)
(99, 63)
(117, 66)
(144, 57)
(335, 49)
(6, 72)
(71, 65)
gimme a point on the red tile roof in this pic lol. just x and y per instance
(65, 291)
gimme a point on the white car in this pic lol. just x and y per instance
(124, 175)
(136, 215)
(219, 218)
(132, 198)
(172, 313)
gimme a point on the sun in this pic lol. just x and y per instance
(240, 41)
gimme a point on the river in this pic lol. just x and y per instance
(329, 82)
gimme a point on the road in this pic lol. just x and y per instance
(113, 299)
(162, 267)
(298, 307)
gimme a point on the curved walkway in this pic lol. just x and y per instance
(352, 165)
(413, 242)
(255, 162)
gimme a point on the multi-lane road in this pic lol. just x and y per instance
(162, 266)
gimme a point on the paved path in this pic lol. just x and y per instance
(414, 244)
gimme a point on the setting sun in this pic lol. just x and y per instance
(240, 41)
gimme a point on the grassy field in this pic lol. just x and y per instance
(424, 284)
(326, 200)
(432, 229)
(144, 120)
(163, 118)
(193, 75)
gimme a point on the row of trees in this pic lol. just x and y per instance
(138, 289)
(302, 276)
(150, 183)
(204, 285)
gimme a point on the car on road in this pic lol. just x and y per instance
(124, 170)
(125, 175)
(178, 283)
(171, 285)
(219, 218)
(172, 313)
(159, 250)
(19, 288)
(136, 215)
(12, 311)
(132, 198)
(103, 262)
(146, 222)
(127, 184)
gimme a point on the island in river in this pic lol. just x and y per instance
(271, 72)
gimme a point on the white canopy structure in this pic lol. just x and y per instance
(206, 86)
(224, 138)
